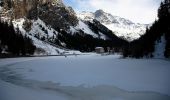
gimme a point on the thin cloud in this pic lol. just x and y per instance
(140, 11)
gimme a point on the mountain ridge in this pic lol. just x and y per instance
(121, 27)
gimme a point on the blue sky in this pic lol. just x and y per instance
(79, 5)
(139, 11)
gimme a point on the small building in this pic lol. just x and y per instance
(99, 50)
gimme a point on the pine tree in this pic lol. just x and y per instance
(14, 40)
(164, 18)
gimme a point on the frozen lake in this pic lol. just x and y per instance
(84, 77)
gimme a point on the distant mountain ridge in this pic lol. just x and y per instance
(121, 27)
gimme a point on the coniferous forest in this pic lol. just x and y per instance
(13, 42)
(87, 43)
(145, 45)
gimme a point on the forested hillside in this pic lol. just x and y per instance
(145, 46)
(13, 42)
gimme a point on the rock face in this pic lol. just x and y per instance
(18, 8)
(57, 16)
(53, 12)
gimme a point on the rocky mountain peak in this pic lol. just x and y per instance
(99, 12)
(53, 12)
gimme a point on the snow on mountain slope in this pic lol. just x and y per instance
(121, 27)
(87, 16)
(39, 30)
(41, 34)
(129, 33)
(42, 30)
(84, 27)
(0, 8)
(81, 25)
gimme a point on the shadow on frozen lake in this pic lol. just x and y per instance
(102, 92)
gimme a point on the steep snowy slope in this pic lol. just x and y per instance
(38, 32)
(121, 27)
(0, 8)
(86, 29)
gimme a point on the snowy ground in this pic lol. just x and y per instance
(84, 77)
(160, 48)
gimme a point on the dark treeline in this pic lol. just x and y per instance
(145, 45)
(13, 42)
(164, 19)
(87, 43)
(84, 42)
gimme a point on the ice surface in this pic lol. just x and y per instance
(85, 77)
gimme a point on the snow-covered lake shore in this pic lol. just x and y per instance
(84, 77)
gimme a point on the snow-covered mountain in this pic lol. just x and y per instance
(121, 27)
(55, 28)
(41, 35)
(26, 18)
